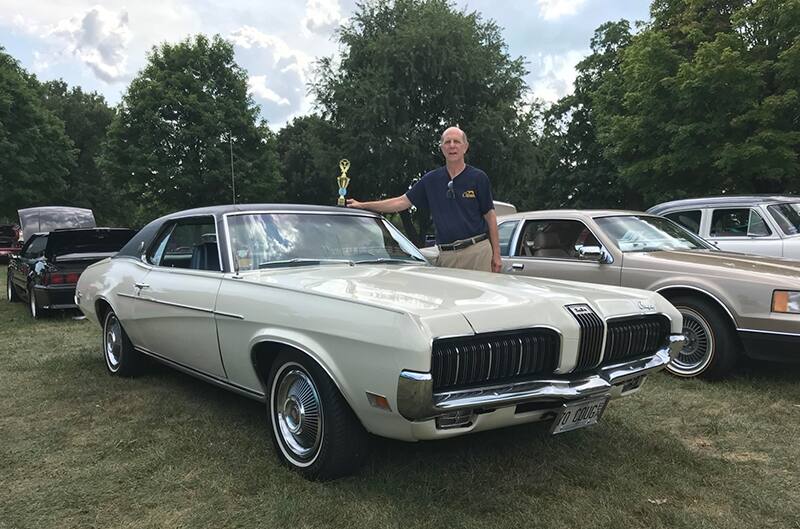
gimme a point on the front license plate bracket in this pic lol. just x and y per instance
(579, 414)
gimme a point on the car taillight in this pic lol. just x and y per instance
(55, 278)
(72, 278)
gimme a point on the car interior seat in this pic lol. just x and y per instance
(205, 257)
(547, 244)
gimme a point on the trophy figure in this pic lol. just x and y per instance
(343, 180)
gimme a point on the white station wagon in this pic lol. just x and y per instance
(334, 320)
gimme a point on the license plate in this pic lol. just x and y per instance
(579, 414)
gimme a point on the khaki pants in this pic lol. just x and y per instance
(475, 257)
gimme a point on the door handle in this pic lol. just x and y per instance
(141, 285)
(517, 266)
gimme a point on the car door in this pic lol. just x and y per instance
(22, 265)
(174, 311)
(744, 230)
(556, 248)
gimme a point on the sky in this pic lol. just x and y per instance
(101, 46)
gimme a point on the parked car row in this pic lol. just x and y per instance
(339, 325)
(61, 242)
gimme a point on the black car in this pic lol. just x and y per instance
(49, 265)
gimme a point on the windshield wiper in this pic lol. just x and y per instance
(302, 261)
(389, 260)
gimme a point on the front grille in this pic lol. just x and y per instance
(590, 346)
(635, 336)
(490, 358)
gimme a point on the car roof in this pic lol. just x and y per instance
(725, 200)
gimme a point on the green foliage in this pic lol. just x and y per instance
(710, 101)
(411, 68)
(36, 156)
(86, 118)
(309, 161)
(578, 174)
(169, 147)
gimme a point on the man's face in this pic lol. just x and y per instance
(453, 145)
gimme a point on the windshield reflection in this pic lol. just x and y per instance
(632, 233)
(275, 240)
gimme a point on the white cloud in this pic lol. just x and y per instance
(283, 55)
(555, 74)
(257, 84)
(322, 16)
(554, 9)
(99, 38)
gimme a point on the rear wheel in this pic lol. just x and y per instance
(711, 348)
(312, 427)
(11, 292)
(36, 311)
(121, 358)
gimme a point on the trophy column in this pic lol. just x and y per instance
(343, 181)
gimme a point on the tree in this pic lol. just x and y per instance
(309, 160)
(710, 101)
(36, 156)
(409, 69)
(86, 118)
(578, 172)
(180, 122)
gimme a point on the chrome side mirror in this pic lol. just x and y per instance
(591, 253)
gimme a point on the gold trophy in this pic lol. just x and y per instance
(343, 180)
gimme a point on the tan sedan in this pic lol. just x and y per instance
(731, 303)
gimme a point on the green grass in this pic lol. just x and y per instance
(79, 448)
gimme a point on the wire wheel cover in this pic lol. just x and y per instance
(113, 342)
(699, 348)
(298, 413)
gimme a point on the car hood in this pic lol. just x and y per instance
(728, 264)
(488, 301)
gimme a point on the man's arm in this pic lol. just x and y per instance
(494, 238)
(389, 205)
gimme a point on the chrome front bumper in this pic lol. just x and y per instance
(416, 400)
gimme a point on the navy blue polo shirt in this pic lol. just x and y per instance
(461, 216)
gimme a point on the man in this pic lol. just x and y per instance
(459, 198)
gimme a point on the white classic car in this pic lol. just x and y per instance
(334, 320)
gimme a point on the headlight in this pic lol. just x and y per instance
(786, 301)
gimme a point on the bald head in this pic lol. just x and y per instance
(450, 131)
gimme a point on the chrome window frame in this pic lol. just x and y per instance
(171, 223)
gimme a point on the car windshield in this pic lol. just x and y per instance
(633, 233)
(787, 216)
(274, 240)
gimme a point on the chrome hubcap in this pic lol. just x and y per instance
(699, 348)
(8, 289)
(298, 413)
(32, 300)
(113, 345)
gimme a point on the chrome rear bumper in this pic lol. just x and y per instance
(416, 400)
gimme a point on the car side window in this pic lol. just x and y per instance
(688, 219)
(738, 222)
(555, 238)
(187, 243)
(505, 231)
(35, 248)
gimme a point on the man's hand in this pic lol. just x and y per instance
(497, 263)
(353, 203)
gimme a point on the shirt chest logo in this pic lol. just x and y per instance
(468, 194)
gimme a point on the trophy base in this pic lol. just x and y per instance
(341, 202)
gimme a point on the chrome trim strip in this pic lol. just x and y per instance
(758, 331)
(416, 401)
(205, 376)
(182, 306)
(715, 298)
(122, 294)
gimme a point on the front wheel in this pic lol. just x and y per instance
(711, 348)
(121, 358)
(312, 427)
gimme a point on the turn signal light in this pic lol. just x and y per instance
(786, 301)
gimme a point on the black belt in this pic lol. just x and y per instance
(457, 245)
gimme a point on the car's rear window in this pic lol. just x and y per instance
(787, 216)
